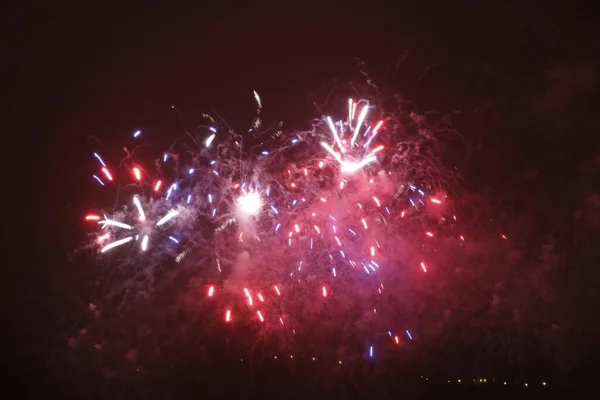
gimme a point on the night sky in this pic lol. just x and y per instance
(519, 82)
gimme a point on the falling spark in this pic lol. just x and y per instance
(100, 159)
(144, 243)
(116, 243)
(108, 222)
(137, 173)
(424, 267)
(171, 214)
(138, 205)
(335, 135)
(209, 140)
(211, 291)
(260, 316)
(324, 289)
(361, 118)
(98, 179)
(107, 173)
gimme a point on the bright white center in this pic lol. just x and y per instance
(250, 203)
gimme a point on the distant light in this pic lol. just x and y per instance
(371, 351)
(173, 239)
(211, 291)
(137, 134)
(212, 129)
(191, 171)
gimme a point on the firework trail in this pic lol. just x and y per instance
(287, 228)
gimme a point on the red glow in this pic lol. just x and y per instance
(137, 173)
(157, 186)
(92, 217)
(107, 173)
(293, 185)
(397, 339)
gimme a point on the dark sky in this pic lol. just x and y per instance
(81, 70)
